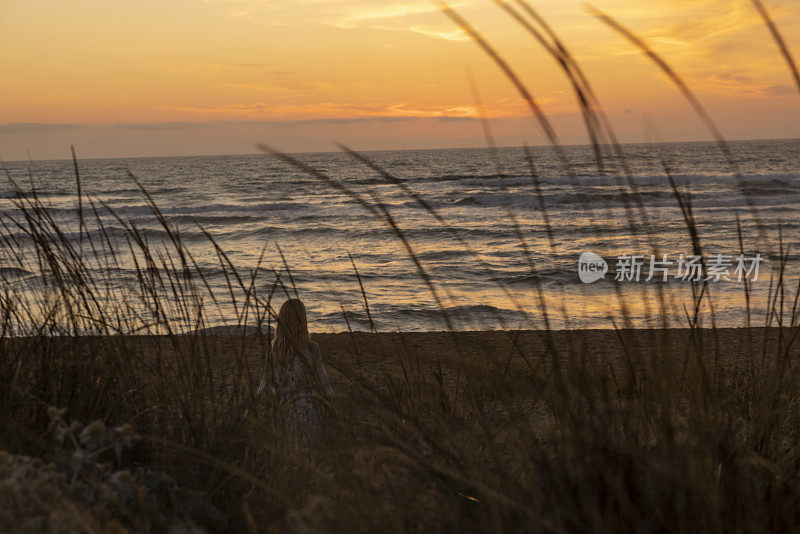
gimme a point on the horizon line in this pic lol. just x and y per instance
(572, 145)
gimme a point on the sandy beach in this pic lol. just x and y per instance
(385, 354)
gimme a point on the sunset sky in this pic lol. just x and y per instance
(150, 78)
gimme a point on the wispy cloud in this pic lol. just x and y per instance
(272, 110)
(418, 17)
(36, 127)
(369, 15)
(172, 125)
(16, 128)
(452, 35)
(719, 46)
(780, 90)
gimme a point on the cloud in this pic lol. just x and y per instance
(719, 47)
(278, 110)
(254, 66)
(173, 125)
(36, 127)
(343, 121)
(736, 78)
(739, 86)
(780, 90)
(15, 128)
(452, 35)
(418, 17)
(370, 15)
(456, 119)
(310, 122)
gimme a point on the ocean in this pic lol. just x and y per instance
(492, 258)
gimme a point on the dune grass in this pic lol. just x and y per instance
(664, 430)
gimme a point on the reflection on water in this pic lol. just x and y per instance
(250, 203)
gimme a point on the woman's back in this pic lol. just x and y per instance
(294, 365)
(300, 375)
(301, 384)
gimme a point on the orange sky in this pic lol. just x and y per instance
(147, 77)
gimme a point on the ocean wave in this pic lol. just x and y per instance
(603, 200)
(460, 177)
(426, 318)
(14, 272)
(727, 179)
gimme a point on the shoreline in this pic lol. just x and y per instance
(232, 331)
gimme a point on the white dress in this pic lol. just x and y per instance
(300, 387)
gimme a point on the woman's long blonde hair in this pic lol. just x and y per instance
(291, 334)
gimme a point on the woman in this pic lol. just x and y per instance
(295, 372)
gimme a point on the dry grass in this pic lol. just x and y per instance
(654, 430)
